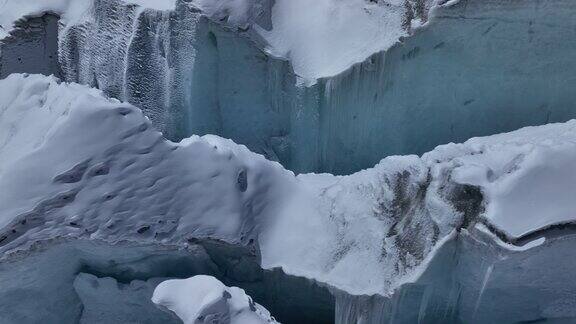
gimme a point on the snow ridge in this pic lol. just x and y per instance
(107, 175)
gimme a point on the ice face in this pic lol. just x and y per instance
(193, 76)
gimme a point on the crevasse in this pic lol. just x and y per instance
(195, 76)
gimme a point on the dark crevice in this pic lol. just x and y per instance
(290, 299)
(549, 232)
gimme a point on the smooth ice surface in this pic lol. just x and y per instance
(474, 280)
(202, 299)
(356, 233)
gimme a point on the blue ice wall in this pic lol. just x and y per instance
(478, 68)
(472, 280)
(189, 75)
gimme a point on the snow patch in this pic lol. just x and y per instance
(203, 299)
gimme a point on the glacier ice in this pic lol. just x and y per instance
(128, 209)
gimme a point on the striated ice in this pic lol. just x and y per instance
(221, 67)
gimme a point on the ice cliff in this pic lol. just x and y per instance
(86, 179)
(333, 87)
(107, 191)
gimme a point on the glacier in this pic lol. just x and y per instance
(467, 233)
(239, 69)
(121, 173)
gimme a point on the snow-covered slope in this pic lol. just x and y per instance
(105, 174)
(204, 299)
(526, 177)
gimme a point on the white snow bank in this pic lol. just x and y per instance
(204, 299)
(75, 164)
(528, 177)
(344, 230)
(70, 11)
(71, 156)
(325, 37)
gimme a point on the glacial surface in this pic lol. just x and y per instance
(99, 207)
(115, 199)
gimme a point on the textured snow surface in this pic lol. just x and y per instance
(204, 299)
(71, 11)
(75, 164)
(13, 10)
